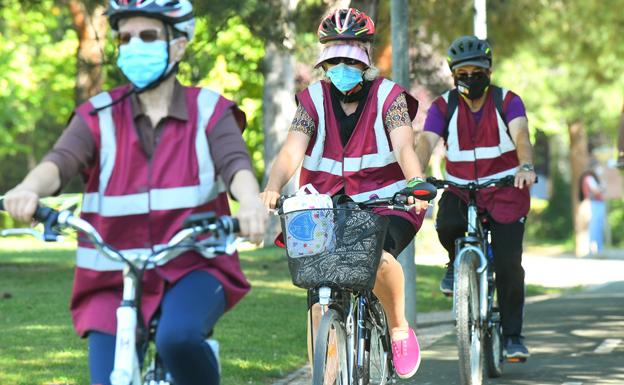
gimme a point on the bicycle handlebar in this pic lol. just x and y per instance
(422, 191)
(223, 240)
(507, 181)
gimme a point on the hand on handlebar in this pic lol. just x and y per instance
(419, 195)
(269, 198)
(252, 217)
(21, 204)
(524, 178)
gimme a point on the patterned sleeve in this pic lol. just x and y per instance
(303, 122)
(397, 115)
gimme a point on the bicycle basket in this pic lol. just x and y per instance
(333, 247)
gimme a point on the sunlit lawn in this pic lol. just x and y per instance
(261, 340)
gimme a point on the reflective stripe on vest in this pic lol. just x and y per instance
(316, 162)
(502, 174)
(454, 154)
(386, 191)
(154, 199)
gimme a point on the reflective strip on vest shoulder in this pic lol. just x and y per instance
(206, 104)
(383, 192)
(454, 154)
(315, 161)
(157, 199)
(502, 174)
(108, 142)
(383, 147)
(92, 259)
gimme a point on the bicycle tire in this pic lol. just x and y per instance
(378, 360)
(329, 365)
(493, 345)
(469, 339)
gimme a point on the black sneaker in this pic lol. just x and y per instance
(446, 284)
(514, 348)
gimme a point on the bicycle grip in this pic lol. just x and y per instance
(235, 226)
(42, 213)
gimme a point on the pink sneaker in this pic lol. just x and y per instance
(406, 355)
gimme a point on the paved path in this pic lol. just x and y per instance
(574, 340)
(562, 333)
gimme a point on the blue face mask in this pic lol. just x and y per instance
(141, 62)
(345, 77)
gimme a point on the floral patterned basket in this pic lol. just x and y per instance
(333, 247)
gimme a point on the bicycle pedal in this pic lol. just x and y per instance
(516, 360)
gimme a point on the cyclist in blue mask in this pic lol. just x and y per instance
(151, 153)
(353, 133)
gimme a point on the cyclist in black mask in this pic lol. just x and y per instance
(486, 134)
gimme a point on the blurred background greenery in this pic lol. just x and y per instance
(559, 56)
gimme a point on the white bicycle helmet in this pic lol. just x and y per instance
(177, 13)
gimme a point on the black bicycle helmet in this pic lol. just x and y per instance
(177, 13)
(469, 50)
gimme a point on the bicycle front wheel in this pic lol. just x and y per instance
(330, 351)
(378, 352)
(493, 343)
(469, 336)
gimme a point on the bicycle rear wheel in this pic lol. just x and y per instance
(379, 350)
(330, 351)
(469, 338)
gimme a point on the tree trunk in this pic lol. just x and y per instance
(278, 104)
(369, 7)
(579, 160)
(91, 27)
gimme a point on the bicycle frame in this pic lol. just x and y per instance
(127, 370)
(358, 335)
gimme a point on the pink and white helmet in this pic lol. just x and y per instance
(177, 13)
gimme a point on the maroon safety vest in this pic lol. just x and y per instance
(366, 166)
(478, 151)
(137, 204)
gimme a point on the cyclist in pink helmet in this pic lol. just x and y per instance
(353, 132)
(151, 153)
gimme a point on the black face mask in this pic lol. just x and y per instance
(472, 87)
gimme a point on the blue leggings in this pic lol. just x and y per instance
(189, 310)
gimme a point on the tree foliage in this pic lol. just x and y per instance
(36, 80)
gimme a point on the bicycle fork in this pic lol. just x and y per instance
(362, 336)
(481, 273)
(126, 369)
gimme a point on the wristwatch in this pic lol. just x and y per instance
(527, 167)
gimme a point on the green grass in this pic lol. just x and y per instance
(262, 338)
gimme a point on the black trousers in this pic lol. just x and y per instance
(451, 224)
